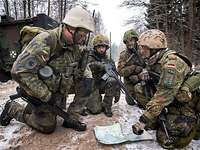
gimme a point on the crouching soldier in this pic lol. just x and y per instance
(97, 61)
(174, 118)
(45, 71)
(130, 65)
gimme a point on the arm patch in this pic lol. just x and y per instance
(168, 78)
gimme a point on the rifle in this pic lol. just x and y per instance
(37, 102)
(149, 87)
(162, 120)
(112, 72)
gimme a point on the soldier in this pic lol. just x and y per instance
(45, 70)
(97, 60)
(129, 65)
(176, 117)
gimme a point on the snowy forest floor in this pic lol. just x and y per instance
(18, 136)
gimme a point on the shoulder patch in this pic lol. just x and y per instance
(168, 77)
(31, 63)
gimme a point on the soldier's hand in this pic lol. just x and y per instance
(144, 75)
(117, 96)
(138, 128)
(78, 73)
(97, 65)
(56, 98)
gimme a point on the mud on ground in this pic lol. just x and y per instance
(18, 136)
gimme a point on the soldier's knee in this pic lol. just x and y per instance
(172, 142)
(47, 129)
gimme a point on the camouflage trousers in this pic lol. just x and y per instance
(93, 102)
(39, 118)
(181, 127)
(197, 135)
(180, 122)
(79, 103)
(141, 98)
(96, 103)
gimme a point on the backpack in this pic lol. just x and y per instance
(27, 33)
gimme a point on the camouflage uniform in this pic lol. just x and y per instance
(128, 65)
(180, 119)
(96, 62)
(44, 70)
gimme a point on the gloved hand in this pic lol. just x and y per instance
(138, 128)
(117, 96)
(78, 73)
(134, 79)
(144, 75)
(56, 99)
(97, 65)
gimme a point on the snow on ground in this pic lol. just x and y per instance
(20, 136)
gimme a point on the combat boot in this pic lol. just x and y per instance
(5, 118)
(107, 104)
(74, 124)
(84, 112)
(107, 111)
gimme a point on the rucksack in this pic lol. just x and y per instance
(27, 33)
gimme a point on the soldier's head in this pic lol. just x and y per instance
(101, 43)
(130, 39)
(151, 41)
(76, 25)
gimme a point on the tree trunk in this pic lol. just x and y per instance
(49, 5)
(29, 8)
(15, 9)
(65, 7)
(24, 6)
(61, 10)
(189, 46)
(6, 5)
(32, 7)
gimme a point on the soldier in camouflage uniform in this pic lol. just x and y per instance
(129, 65)
(97, 60)
(45, 70)
(179, 119)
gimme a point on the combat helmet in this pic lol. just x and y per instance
(79, 18)
(153, 39)
(130, 34)
(101, 40)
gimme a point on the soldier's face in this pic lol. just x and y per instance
(75, 36)
(80, 36)
(101, 49)
(131, 43)
(144, 51)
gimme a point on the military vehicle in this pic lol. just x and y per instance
(9, 39)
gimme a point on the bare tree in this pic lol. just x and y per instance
(48, 13)
(24, 6)
(29, 8)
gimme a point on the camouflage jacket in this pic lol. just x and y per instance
(173, 69)
(128, 66)
(97, 66)
(46, 49)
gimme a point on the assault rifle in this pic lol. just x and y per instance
(112, 72)
(149, 87)
(37, 102)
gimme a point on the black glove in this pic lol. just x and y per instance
(138, 128)
(78, 73)
(144, 75)
(117, 96)
(56, 99)
(97, 65)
